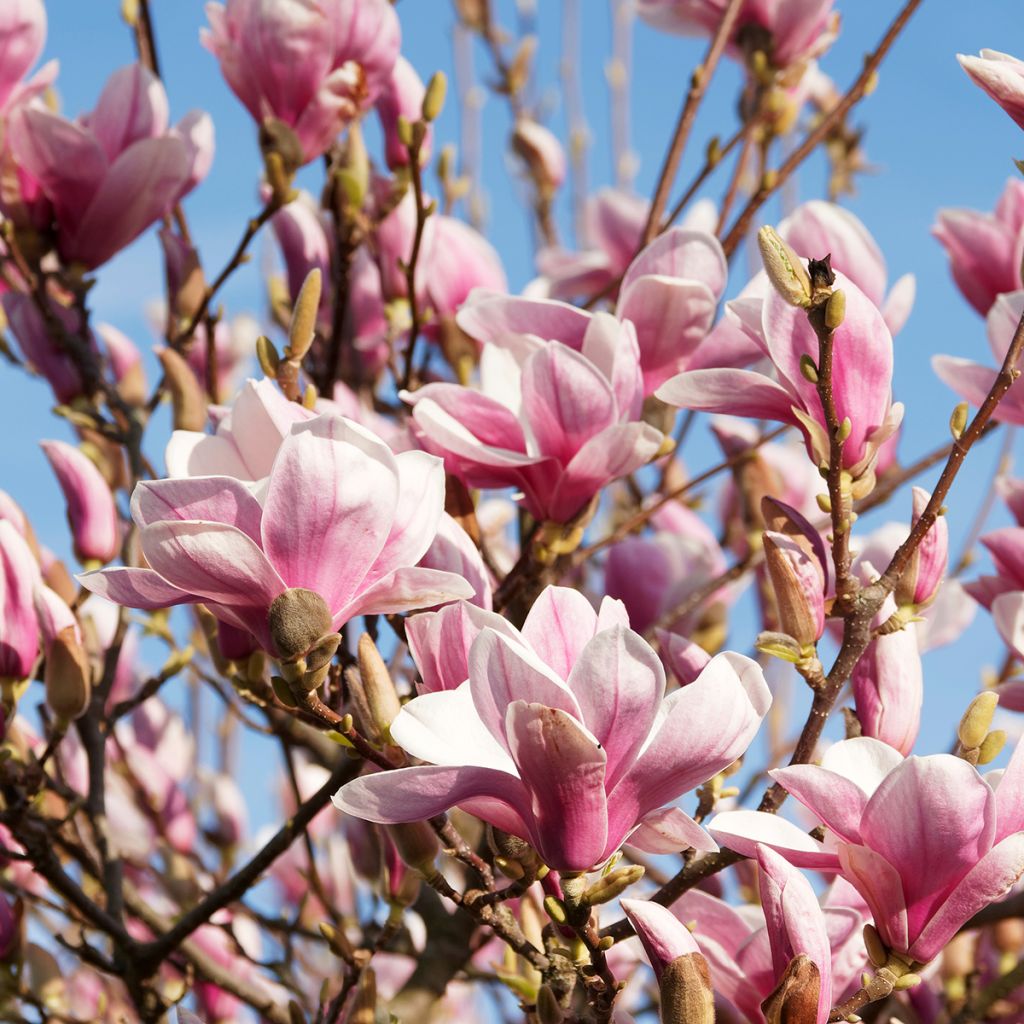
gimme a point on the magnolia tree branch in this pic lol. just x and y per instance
(699, 83)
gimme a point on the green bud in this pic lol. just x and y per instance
(958, 421)
(977, 720)
(433, 98)
(877, 953)
(786, 272)
(613, 885)
(844, 431)
(808, 369)
(991, 746)
(267, 355)
(835, 310)
(555, 909)
(303, 325)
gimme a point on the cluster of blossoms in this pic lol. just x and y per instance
(433, 545)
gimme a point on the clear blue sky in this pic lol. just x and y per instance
(936, 140)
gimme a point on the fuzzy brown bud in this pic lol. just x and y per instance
(686, 993)
(298, 619)
(67, 676)
(378, 690)
(795, 998)
(416, 843)
(187, 398)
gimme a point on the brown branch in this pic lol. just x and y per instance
(699, 83)
(772, 181)
(416, 173)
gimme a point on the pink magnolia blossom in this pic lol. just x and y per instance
(684, 658)
(738, 942)
(817, 228)
(113, 172)
(92, 514)
(19, 625)
(22, 35)
(314, 65)
(41, 351)
(402, 96)
(563, 737)
(972, 381)
(542, 152)
(614, 223)
(557, 422)
(888, 689)
(341, 516)
(652, 575)
(1001, 76)
(921, 882)
(796, 29)
(861, 368)
(985, 249)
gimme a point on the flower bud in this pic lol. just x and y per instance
(991, 746)
(877, 953)
(433, 99)
(303, 325)
(785, 270)
(416, 843)
(267, 355)
(977, 720)
(378, 689)
(298, 618)
(665, 938)
(91, 512)
(958, 420)
(919, 584)
(835, 309)
(779, 645)
(187, 398)
(799, 584)
(67, 676)
(363, 1008)
(548, 1010)
(612, 885)
(542, 153)
(795, 998)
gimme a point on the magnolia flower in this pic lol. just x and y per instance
(972, 381)
(340, 516)
(888, 689)
(740, 945)
(921, 882)
(861, 373)
(113, 172)
(556, 419)
(313, 65)
(19, 625)
(985, 249)
(561, 735)
(796, 29)
(22, 35)
(1001, 76)
(92, 514)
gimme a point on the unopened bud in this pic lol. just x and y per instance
(381, 698)
(958, 421)
(613, 885)
(433, 98)
(303, 326)
(404, 128)
(548, 1010)
(808, 369)
(844, 430)
(298, 618)
(686, 993)
(785, 270)
(977, 720)
(416, 843)
(66, 676)
(835, 309)
(267, 355)
(795, 998)
(991, 746)
(798, 583)
(187, 399)
(779, 645)
(555, 909)
(363, 1008)
(877, 953)
(824, 503)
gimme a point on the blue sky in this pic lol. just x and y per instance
(934, 138)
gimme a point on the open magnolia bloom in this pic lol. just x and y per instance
(562, 735)
(927, 841)
(339, 515)
(560, 421)
(862, 366)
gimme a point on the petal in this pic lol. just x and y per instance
(742, 831)
(329, 507)
(563, 769)
(619, 683)
(502, 670)
(559, 625)
(665, 938)
(566, 400)
(864, 760)
(261, 419)
(989, 880)
(682, 253)
(214, 561)
(882, 888)
(190, 453)
(444, 728)
(405, 590)
(972, 381)
(1010, 794)
(134, 588)
(488, 422)
(415, 794)
(670, 830)
(737, 392)
(491, 317)
(837, 802)
(132, 106)
(218, 499)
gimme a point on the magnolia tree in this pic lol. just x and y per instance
(436, 564)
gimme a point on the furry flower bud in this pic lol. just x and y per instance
(785, 269)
